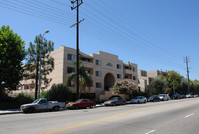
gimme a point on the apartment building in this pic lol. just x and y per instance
(145, 78)
(104, 68)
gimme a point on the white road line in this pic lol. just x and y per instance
(150, 132)
(189, 115)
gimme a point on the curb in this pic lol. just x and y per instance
(14, 112)
(19, 111)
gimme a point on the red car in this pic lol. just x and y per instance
(81, 103)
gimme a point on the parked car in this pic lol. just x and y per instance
(195, 95)
(154, 98)
(164, 97)
(81, 103)
(42, 105)
(182, 96)
(189, 96)
(175, 96)
(115, 101)
(139, 99)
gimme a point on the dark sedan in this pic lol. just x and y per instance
(154, 98)
(115, 101)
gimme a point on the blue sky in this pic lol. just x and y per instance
(155, 34)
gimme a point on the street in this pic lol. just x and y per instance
(166, 117)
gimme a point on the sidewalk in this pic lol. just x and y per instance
(17, 111)
(10, 111)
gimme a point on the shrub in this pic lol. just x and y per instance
(45, 94)
(60, 92)
(15, 102)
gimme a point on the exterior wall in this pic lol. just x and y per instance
(144, 81)
(57, 74)
(108, 68)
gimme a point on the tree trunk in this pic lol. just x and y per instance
(36, 79)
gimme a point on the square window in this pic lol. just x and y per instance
(98, 73)
(98, 62)
(71, 57)
(70, 69)
(98, 85)
(119, 76)
(119, 66)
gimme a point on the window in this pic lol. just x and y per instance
(98, 62)
(98, 85)
(109, 64)
(98, 73)
(134, 77)
(71, 57)
(119, 76)
(134, 69)
(70, 69)
(143, 73)
(119, 66)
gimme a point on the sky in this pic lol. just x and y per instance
(154, 34)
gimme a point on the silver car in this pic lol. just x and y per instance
(164, 97)
(139, 99)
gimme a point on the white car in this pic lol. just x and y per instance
(164, 97)
(139, 99)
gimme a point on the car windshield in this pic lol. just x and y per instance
(113, 99)
(36, 101)
(77, 101)
(160, 95)
(138, 97)
(152, 97)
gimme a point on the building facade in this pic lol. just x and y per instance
(145, 78)
(104, 68)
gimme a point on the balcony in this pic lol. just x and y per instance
(127, 71)
(28, 82)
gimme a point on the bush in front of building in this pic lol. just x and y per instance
(15, 102)
(59, 92)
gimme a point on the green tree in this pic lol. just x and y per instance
(184, 86)
(12, 53)
(85, 79)
(174, 81)
(159, 84)
(195, 86)
(125, 87)
(47, 62)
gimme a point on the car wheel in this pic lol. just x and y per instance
(91, 106)
(76, 107)
(56, 108)
(31, 110)
(114, 104)
(138, 102)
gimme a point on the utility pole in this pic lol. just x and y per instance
(78, 2)
(187, 61)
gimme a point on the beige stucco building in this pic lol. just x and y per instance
(104, 68)
(145, 78)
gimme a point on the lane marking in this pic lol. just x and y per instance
(189, 115)
(150, 131)
(102, 119)
(91, 122)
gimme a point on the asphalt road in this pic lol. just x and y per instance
(168, 117)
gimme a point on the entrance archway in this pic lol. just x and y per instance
(109, 81)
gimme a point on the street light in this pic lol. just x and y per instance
(47, 31)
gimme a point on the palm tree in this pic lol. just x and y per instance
(85, 79)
